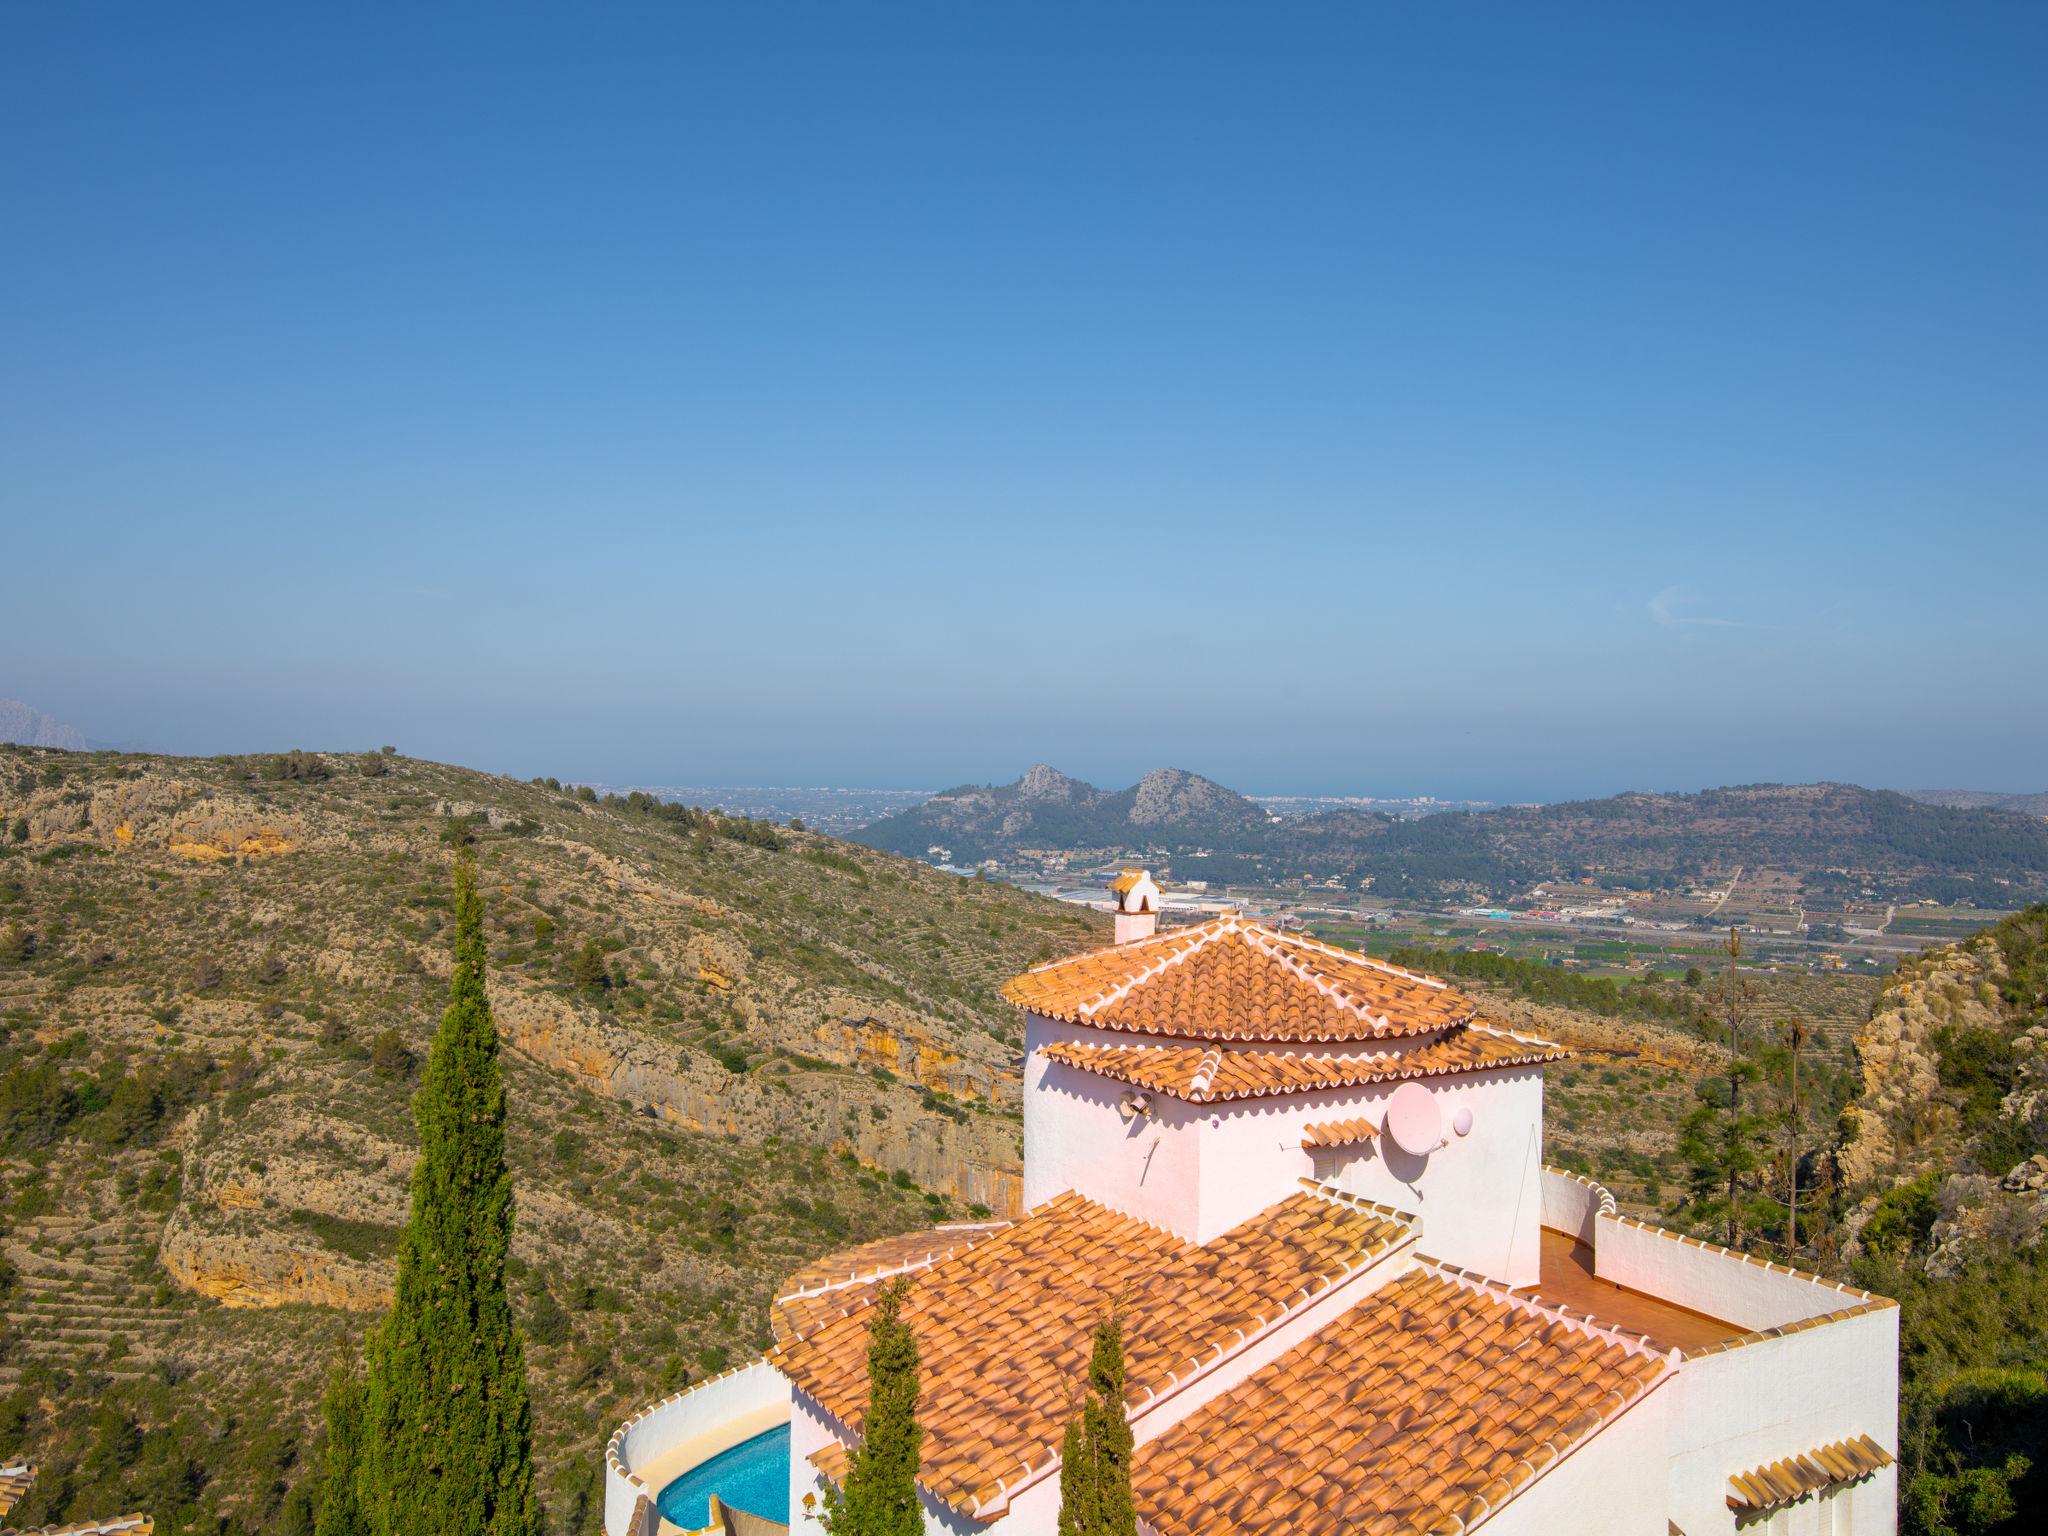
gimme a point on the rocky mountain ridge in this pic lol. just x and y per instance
(1044, 808)
(1984, 799)
(1834, 840)
(23, 726)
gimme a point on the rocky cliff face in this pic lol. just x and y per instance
(1955, 1091)
(1173, 797)
(1043, 782)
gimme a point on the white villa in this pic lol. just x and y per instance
(1354, 1298)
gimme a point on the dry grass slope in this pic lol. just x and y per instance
(216, 983)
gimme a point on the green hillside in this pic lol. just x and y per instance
(731, 1048)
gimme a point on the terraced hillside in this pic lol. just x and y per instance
(732, 1047)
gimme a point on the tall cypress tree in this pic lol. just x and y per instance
(340, 1510)
(880, 1498)
(447, 1421)
(1095, 1457)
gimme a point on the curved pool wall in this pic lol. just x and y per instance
(678, 1434)
(752, 1477)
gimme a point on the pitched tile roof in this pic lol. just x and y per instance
(1423, 1409)
(1003, 1326)
(835, 1284)
(1207, 1075)
(1232, 979)
(888, 1255)
(113, 1525)
(842, 1283)
(1787, 1481)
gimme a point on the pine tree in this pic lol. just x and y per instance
(1095, 1461)
(340, 1509)
(880, 1498)
(447, 1421)
(1725, 1139)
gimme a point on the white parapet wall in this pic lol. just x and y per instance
(666, 1439)
(1738, 1288)
(1574, 1203)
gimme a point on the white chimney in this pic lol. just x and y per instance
(1137, 905)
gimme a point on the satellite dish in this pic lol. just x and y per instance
(1413, 1122)
(1461, 1122)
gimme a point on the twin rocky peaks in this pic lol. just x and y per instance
(1046, 808)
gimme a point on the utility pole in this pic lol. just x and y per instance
(1735, 1006)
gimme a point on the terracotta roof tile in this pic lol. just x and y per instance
(1205, 1076)
(1338, 1133)
(1003, 1326)
(1231, 979)
(15, 1480)
(839, 1282)
(1423, 1409)
(1787, 1481)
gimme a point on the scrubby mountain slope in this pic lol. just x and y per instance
(731, 1048)
(1946, 1154)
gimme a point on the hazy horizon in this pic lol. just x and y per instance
(1109, 778)
(1466, 401)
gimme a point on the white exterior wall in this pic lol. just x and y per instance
(1200, 1169)
(1074, 1138)
(811, 1429)
(1755, 1403)
(1612, 1485)
(660, 1443)
(1478, 1198)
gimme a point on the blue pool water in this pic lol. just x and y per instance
(753, 1476)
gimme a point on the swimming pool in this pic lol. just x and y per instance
(753, 1476)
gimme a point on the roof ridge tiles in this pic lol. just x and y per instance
(1355, 957)
(938, 1254)
(1207, 935)
(1336, 1196)
(1272, 944)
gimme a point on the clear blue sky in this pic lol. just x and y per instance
(1520, 401)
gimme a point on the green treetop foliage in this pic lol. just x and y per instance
(447, 1423)
(880, 1498)
(340, 1507)
(1095, 1456)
